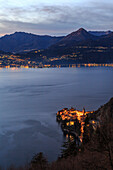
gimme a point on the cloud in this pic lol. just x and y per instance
(51, 19)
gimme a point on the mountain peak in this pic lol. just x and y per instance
(79, 35)
(81, 30)
(21, 33)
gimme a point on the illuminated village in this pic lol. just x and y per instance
(40, 61)
(73, 121)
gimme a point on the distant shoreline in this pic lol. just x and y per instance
(59, 66)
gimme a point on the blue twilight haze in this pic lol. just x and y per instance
(55, 17)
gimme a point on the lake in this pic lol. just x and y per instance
(30, 99)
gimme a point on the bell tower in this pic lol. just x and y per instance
(83, 110)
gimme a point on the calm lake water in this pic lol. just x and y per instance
(29, 100)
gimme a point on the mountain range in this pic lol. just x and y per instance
(83, 37)
(80, 41)
(21, 41)
(24, 42)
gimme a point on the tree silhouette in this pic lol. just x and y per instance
(39, 162)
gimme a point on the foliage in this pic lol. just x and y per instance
(39, 162)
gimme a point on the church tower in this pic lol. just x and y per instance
(83, 110)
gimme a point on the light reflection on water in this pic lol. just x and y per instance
(29, 100)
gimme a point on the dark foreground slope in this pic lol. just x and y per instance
(95, 153)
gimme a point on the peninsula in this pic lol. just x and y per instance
(72, 121)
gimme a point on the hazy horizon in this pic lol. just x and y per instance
(63, 34)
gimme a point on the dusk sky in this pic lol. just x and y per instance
(55, 17)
